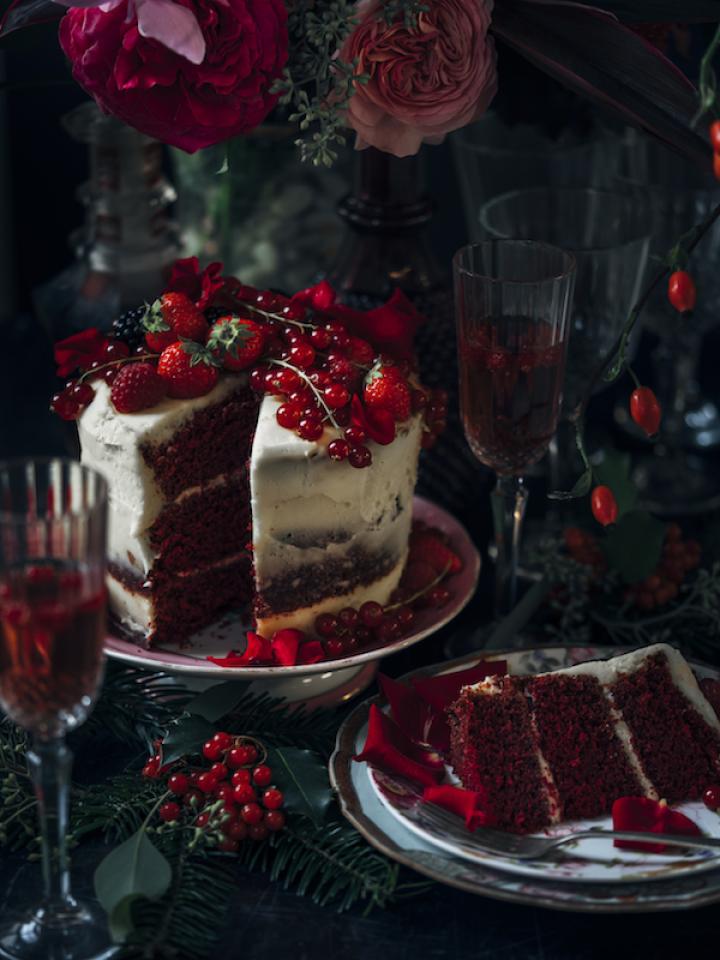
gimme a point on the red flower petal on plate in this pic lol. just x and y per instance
(78, 350)
(285, 644)
(649, 816)
(413, 715)
(471, 805)
(258, 652)
(311, 652)
(441, 691)
(387, 748)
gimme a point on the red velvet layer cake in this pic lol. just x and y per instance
(565, 745)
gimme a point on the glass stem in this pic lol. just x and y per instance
(49, 763)
(509, 500)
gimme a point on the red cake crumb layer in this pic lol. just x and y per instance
(677, 748)
(214, 441)
(204, 527)
(492, 748)
(578, 740)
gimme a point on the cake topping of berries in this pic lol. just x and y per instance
(129, 326)
(239, 342)
(173, 317)
(137, 386)
(188, 370)
(387, 389)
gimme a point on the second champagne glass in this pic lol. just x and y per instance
(512, 308)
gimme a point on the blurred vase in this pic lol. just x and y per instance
(127, 243)
(252, 204)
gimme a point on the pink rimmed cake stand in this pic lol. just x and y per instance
(318, 684)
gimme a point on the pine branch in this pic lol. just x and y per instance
(283, 725)
(116, 808)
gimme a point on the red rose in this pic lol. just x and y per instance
(78, 351)
(165, 95)
(201, 287)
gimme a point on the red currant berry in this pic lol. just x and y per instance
(604, 506)
(350, 644)
(340, 368)
(310, 428)
(178, 784)
(681, 291)
(320, 338)
(266, 300)
(272, 799)
(326, 625)
(359, 457)
(342, 416)
(240, 776)
(320, 379)
(151, 768)
(115, 350)
(302, 355)
(355, 435)
(169, 811)
(211, 750)
(251, 813)
(274, 820)
(219, 771)
(206, 782)
(257, 832)
(236, 829)
(202, 819)
(371, 614)
(81, 393)
(64, 406)
(228, 845)
(338, 449)
(334, 647)
(711, 797)
(645, 410)
(223, 739)
(438, 596)
(258, 378)
(348, 617)
(294, 311)
(287, 380)
(363, 635)
(241, 756)
(224, 792)
(336, 396)
(244, 793)
(288, 415)
(388, 631)
(194, 799)
(405, 616)
(262, 775)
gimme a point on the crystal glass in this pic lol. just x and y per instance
(674, 477)
(608, 234)
(52, 626)
(512, 308)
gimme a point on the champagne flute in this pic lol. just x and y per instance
(52, 624)
(512, 308)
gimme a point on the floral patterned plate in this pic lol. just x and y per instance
(609, 880)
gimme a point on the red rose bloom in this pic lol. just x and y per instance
(163, 94)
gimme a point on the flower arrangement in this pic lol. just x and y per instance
(396, 72)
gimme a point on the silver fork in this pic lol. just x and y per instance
(535, 848)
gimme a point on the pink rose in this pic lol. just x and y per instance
(161, 92)
(423, 82)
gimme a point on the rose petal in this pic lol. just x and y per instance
(471, 805)
(78, 350)
(441, 691)
(172, 25)
(649, 816)
(414, 716)
(311, 652)
(387, 748)
(285, 644)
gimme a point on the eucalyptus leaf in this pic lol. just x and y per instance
(303, 778)
(614, 472)
(186, 736)
(217, 701)
(132, 870)
(633, 546)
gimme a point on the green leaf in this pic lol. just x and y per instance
(219, 700)
(614, 472)
(134, 869)
(303, 778)
(633, 546)
(580, 489)
(186, 736)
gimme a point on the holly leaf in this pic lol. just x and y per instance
(303, 778)
(219, 700)
(134, 869)
(614, 472)
(185, 737)
(633, 546)
(580, 489)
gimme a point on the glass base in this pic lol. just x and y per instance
(79, 933)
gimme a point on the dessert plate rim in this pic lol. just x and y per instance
(182, 662)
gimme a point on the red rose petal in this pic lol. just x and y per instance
(285, 645)
(378, 424)
(258, 652)
(387, 748)
(414, 716)
(78, 351)
(441, 691)
(649, 816)
(471, 805)
(311, 652)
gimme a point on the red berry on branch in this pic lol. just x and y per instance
(272, 799)
(274, 820)
(355, 435)
(310, 428)
(645, 410)
(359, 457)
(151, 768)
(240, 777)
(219, 771)
(711, 797)
(371, 614)
(169, 811)
(681, 291)
(202, 819)
(338, 449)
(224, 740)
(302, 355)
(262, 775)
(336, 395)
(244, 793)
(604, 506)
(236, 829)
(251, 813)
(211, 750)
(715, 135)
(193, 799)
(334, 647)
(326, 625)
(320, 338)
(257, 832)
(178, 784)
(223, 791)
(288, 415)
(206, 782)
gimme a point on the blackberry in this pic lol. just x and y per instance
(128, 326)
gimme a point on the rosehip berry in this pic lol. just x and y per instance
(326, 625)
(272, 799)
(371, 614)
(338, 449)
(223, 739)
(219, 771)
(178, 784)
(715, 135)
(228, 845)
(604, 506)
(645, 410)
(359, 457)
(257, 832)
(211, 750)
(169, 811)
(251, 813)
(310, 428)
(681, 291)
(711, 797)
(240, 776)
(274, 820)
(206, 782)
(262, 775)
(244, 793)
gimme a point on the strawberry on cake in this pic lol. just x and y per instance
(259, 452)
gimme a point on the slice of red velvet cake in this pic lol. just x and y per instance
(565, 745)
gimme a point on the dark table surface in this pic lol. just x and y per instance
(265, 922)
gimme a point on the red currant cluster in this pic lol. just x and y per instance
(70, 402)
(231, 800)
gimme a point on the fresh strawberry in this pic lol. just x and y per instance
(429, 548)
(173, 317)
(236, 341)
(137, 387)
(188, 370)
(387, 389)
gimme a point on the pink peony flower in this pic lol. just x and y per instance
(167, 94)
(423, 82)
